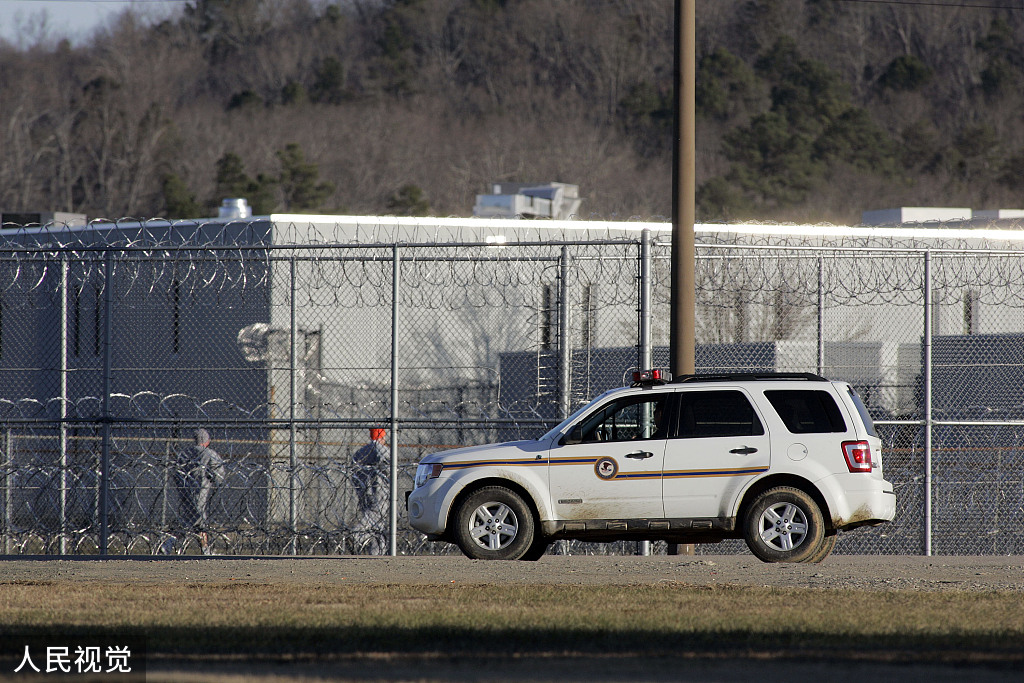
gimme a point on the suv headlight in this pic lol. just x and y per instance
(426, 472)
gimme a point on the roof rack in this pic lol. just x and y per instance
(741, 376)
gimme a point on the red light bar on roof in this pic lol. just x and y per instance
(650, 377)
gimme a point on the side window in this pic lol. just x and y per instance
(704, 414)
(807, 412)
(865, 416)
(627, 419)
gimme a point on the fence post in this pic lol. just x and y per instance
(396, 279)
(564, 338)
(645, 358)
(104, 502)
(292, 377)
(927, 377)
(821, 315)
(62, 371)
(166, 485)
(8, 455)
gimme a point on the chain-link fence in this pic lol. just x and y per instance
(288, 343)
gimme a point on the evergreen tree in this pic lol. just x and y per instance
(299, 181)
(232, 182)
(409, 200)
(180, 202)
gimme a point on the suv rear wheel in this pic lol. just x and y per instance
(494, 523)
(784, 524)
(827, 547)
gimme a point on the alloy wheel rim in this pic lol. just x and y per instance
(783, 526)
(493, 526)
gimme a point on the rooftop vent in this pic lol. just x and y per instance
(234, 208)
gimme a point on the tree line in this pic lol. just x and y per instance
(809, 110)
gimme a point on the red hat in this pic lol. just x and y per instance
(377, 434)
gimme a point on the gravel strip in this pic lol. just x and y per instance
(856, 572)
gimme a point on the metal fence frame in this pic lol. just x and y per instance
(648, 265)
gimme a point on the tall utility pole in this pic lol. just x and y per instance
(682, 341)
(682, 338)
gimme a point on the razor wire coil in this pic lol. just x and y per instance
(480, 350)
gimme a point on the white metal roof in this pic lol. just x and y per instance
(307, 228)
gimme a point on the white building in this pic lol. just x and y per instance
(557, 201)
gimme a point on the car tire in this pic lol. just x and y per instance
(494, 523)
(784, 524)
(537, 549)
(827, 546)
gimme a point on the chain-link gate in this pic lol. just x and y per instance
(116, 343)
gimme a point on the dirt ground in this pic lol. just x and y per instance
(859, 572)
(874, 573)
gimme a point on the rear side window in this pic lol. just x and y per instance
(807, 412)
(865, 416)
(704, 414)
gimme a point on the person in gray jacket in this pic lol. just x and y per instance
(368, 480)
(200, 470)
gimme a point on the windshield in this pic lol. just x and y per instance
(560, 427)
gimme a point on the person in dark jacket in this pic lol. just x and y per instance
(200, 470)
(367, 463)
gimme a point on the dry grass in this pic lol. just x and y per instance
(287, 621)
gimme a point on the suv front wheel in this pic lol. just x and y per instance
(494, 523)
(784, 524)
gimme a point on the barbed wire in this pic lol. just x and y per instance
(249, 512)
(219, 324)
(222, 262)
(285, 232)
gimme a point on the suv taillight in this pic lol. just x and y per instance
(858, 455)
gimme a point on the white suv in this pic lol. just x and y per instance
(784, 461)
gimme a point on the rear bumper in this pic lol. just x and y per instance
(864, 501)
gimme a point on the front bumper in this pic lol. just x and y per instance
(428, 506)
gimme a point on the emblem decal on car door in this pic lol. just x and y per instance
(606, 468)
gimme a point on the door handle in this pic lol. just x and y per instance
(746, 450)
(640, 455)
